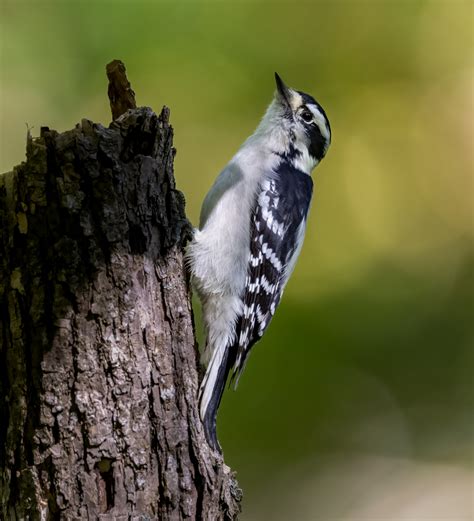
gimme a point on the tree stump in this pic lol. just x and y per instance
(98, 360)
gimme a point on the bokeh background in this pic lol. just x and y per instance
(357, 404)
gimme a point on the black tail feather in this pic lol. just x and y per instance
(209, 419)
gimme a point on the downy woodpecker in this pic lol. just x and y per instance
(251, 232)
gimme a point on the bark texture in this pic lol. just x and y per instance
(121, 95)
(98, 361)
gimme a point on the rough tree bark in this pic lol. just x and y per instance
(98, 362)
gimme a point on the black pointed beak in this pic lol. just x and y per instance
(283, 90)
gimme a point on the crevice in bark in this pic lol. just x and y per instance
(105, 484)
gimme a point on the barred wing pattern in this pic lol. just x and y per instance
(276, 235)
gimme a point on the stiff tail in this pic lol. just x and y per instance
(210, 392)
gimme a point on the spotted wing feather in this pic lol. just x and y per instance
(277, 220)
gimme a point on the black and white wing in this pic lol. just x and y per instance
(276, 233)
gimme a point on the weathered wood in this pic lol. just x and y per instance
(98, 362)
(121, 95)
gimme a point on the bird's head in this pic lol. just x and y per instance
(297, 127)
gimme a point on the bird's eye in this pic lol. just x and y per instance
(307, 116)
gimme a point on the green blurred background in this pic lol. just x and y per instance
(357, 404)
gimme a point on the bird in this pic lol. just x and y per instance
(251, 231)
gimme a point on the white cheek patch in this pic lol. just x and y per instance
(305, 162)
(320, 121)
